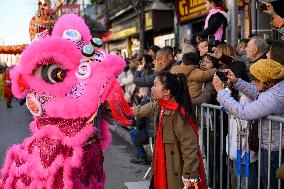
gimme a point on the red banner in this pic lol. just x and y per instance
(106, 37)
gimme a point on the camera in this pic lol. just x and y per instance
(222, 74)
(211, 43)
(261, 7)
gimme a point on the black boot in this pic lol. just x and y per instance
(142, 161)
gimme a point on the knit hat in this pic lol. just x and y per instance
(267, 70)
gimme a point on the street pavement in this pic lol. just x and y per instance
(121, 174)
(14, 126)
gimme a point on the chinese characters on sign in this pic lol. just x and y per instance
(190, 9)
(67, 9)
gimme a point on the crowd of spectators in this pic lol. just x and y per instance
(199, 66)
(246, 81)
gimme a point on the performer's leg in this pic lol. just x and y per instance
(9, 97)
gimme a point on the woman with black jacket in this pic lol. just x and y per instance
(216, 21)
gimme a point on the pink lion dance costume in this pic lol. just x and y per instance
(64, 90)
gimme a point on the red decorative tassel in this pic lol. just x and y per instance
(124, 106)
(120, 108)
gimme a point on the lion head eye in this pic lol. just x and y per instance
(51, 73)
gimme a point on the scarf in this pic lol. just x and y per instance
(160, 174)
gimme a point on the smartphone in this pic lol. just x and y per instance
(261, 7)
(222, 74)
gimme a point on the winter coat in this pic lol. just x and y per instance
(237, 66)
(263, 56)
(208, 94)
(263, 104)
(245, 59)
(144, 81)
(128, 84)
(232, 137)
(195, 77)
(7, 84)
(148, 80)
(180, 145)
(215, 24)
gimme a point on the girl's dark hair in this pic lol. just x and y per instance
(134, 98)
(126, 68)
(177, 84)
(148, 59)
(214, 60)
(190, 59)
(219, 3)
(155, 48)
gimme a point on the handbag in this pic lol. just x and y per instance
(253, 139)
(280, 172)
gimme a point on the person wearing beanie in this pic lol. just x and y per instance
(267, 70)
(267, 97)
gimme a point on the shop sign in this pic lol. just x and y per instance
(131, 27)
(148, 20)
(190, 9)
(68, 9)
(124, 33)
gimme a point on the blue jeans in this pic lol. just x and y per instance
(273, 167)
(252, 180)
(140, 151)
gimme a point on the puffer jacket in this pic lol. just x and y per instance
(195, 77)
(263, 104)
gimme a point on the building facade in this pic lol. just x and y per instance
(167, 22)
(122, 36)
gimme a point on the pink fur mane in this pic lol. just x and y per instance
(72, 21)
(62, 140)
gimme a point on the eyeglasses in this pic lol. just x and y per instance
(205, 61)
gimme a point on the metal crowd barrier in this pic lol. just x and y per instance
(207, 115)
(280, 121)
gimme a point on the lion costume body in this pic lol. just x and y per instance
(63, 89)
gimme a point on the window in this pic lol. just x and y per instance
(167, 42)
(173, 42)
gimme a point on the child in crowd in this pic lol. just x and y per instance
(139, 134)
(195, 76)
(177, 162)
(208, 93)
